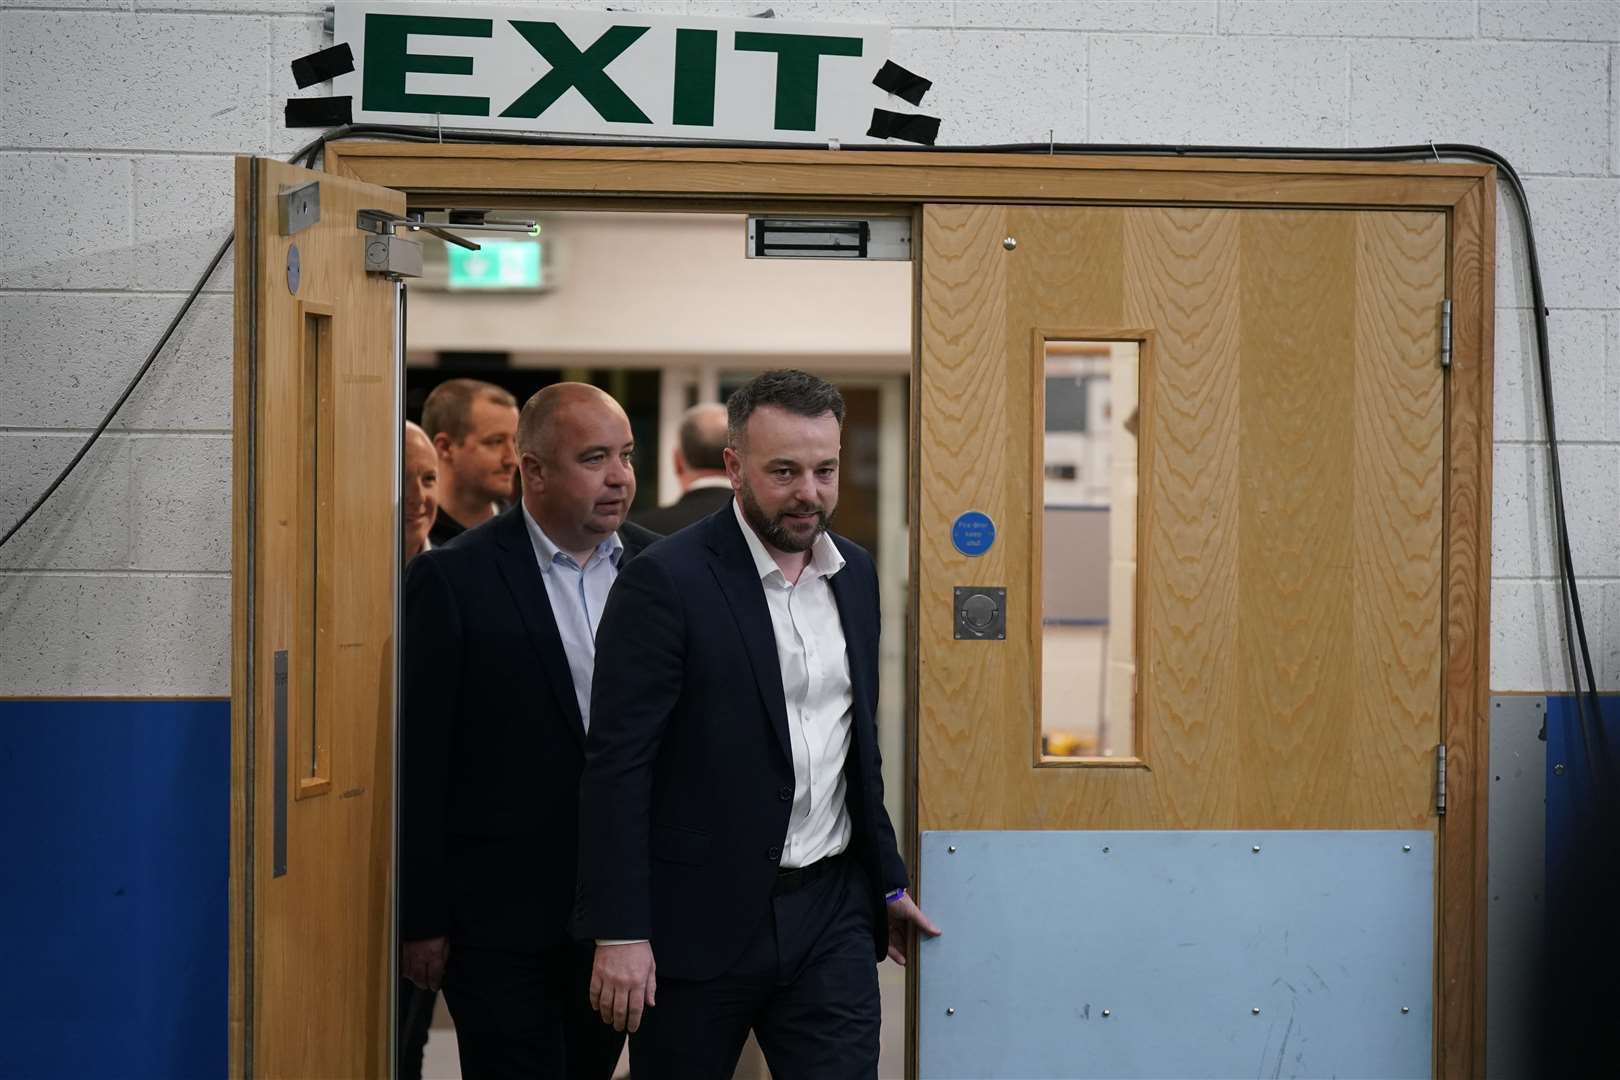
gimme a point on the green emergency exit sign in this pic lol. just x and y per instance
(498, 264)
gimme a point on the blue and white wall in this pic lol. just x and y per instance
(118, 120)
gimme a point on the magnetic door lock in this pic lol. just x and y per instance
(981, 613)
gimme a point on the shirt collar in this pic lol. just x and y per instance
(547, 553)
(825, 559)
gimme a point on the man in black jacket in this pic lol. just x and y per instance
(498, 663)
(700, 466)
(731, 812)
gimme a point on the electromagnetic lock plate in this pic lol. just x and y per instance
(981, 613)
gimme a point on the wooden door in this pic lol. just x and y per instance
(315, 566)
(1286, 621)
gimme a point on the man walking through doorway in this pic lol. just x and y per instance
(737, 867)
(499, 653)
(473, 426)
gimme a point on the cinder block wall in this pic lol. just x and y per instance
(119, 117)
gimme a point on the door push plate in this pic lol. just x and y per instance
(981, 613)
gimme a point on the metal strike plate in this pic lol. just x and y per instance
(299, 208)
(981, 613)
(396, 256)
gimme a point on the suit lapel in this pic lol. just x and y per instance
(734, 569)
(522, 575)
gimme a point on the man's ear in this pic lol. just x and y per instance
(734, 466)
(442, 443)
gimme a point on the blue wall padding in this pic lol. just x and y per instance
(113, 898)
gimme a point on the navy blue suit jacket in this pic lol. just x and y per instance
(689, 772)
(491, 744)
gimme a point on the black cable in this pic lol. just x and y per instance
(1587, 705)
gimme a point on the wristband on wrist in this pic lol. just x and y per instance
(890, 898)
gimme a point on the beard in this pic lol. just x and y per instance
(772, 529)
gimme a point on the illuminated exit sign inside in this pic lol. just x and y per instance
(498, 264)
(609, 72)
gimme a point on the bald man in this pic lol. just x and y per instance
(499, 651)
(700, 466)
(421, 492)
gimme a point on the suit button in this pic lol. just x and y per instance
(785, 794)
(774, 854)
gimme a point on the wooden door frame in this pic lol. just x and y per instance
(671, 178)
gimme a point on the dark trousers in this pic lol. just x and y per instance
(415, 1017)
(806, 984)
(527, 1014)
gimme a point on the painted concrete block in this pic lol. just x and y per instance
(1576, 222)
(1258, 91)
(66, 221)
(1522, 533)
(234, 7)
(115, 635)
(1129, 16)
(290, 39)
(993, 86)
(140, 502)
(183, 208)
(1553, 20)
(162, 82)
(1585, 354)
(82, 526)
(1544, 107)
(1527, 635)
(1336, 18)
(77, 5)
(65, 359)
(885, 12)
(1614, 110)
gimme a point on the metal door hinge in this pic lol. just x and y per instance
(1445, 334)
(1440, 779)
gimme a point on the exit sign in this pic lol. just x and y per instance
(609, 72)
(498, 264)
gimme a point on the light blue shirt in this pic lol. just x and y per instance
(577, 596)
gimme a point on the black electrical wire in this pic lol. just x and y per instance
(1586, 699)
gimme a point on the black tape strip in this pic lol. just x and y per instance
(323, 65)
(319, 111)
(898, 81)
(912, 127)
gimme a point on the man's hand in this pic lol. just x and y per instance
(903, 915)
(423, 962)
(624, 982)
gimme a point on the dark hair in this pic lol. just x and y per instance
(790, 389)
(448, 408)
(703, 436)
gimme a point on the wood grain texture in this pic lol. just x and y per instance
(1460, 968)
(321, 935)
(429, 169)
(1293, 434)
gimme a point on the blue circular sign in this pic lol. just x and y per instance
(973, 533)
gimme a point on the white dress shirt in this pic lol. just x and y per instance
(819, 695)
(577, 596)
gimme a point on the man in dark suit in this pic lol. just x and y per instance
(498, 662)
(700, 466)
(731, 811)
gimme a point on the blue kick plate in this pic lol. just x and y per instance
(1146, 954)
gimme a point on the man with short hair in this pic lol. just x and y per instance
(731, 812)
(700, 466)
(499, 651)
(473, 425)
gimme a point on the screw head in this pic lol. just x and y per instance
(1559, 769)
(1108, 1012)
(1255, 1010)
(1405, 1010)
(1105, 849)
(1255, 849)
(1009, 243)
(1406, 847)
(951, 850)
(950, 1011)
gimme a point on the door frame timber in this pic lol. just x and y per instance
(688, 179)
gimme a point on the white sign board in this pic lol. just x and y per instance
(610, 73)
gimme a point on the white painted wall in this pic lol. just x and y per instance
(118, 119)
